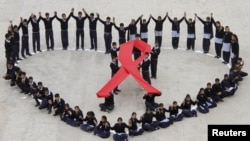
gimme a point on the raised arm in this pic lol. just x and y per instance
(148, 20)
(138, 19)
(103, 22)
(116, 27)
(153, 18)
(165, 17)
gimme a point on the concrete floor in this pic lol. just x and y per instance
(78, 75)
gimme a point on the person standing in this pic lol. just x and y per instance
(144, 29)
(132, 29)
(8, 47)
(176, 30)
(35, 32)
(190, 33)
(64, 29)
(145, 68)
(49, 36)
(107, 33)
(79, 29)
(218, 37)
(226, 46)
(92, 29)
(25, 37)
(235, 50)
(207, 33)
(114, 69)
(154, 59)
(121, 31)
(17, 42)
(108, 104)
(159, 28)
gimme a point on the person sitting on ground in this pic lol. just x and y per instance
(89, 122)
(39, 94)
(103, 128)
(32, 86)
(175, 115)
(47, 101)
(150, 101)
(202, 101)
(161, 117)
(187, 107)
(10, 74)
(228, 87)
(134, 130)
(217, 91)
(67, 113)
(24, 84)
(108, 104)
(58, 105)
(120, 133)
(147, 121)
(77, 117)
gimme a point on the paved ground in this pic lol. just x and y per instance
(77, 75)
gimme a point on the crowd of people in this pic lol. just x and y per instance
(155, 116)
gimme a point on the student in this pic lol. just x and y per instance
(212, 96)
(121, 32)
(234, 49)
(77, 117)
(217, 91)
(25, 37)
(89, 122)
(187, 107)
(161, 117)
(202, 101)
(58, 105)
(190, 33)
(136, 51)
(228, 87)
(17, 43)
(47, 101)
(240, 63)
(32, 86)
(113, 51)
(176, 30)
(148, 124)
(226, 46)
(49, 36)
(144, 29)
(174, 114)
(159, 28)
(207, 33)
(64, 29)
(108, 104)
(120, 133)
(107, 33)
(114, 69)
(103, 128)
(67, 113)
(145, 68)
(132, 29)
(154, 59)
(79, 29)
(92, 29)
(24, 85)
(8, 47)
(150, 101)
(11, 74)
(134, 130)
(219, 33)
(35, 32)
(40, 93)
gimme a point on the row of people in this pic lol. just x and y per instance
(225, 40)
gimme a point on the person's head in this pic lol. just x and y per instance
(218, 24)
(79, 14)
(133, 115)
(208, 19)
(209, 85)
(9, 65)
(46, 90)
(227, 29)
(132, 21)
(40, 84)
(15, 27)
(64, 16)
(159, 18)
(137, 36)
(30, 79)
(34, 17)
(57, 96)
(146, 55)
(175, 19)
(190, 20)
(90, 114)
(77, 109)
(25, 21)
(114, 45)
(225, 76)
(234, 37)
(104, 118)
(188, 97)
(108, 19)
(121, 25)
(47, 15)
(148, 110)
(174, 103)
(66, 106)
(161, 106)
(7, 36)
(23, 75)
(217, 80)
(202, 91)
(92, 15)
(144, 21)
(119, 120)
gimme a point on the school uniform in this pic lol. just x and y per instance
(145, 70)
(202, 103)
(120, 134)
(67, 114)
(49, 36)
(108, 104)
(161, 117)
(226, 46)
(25, 40)
(150, 102)
(17, 44)
(24, 85)
(114, 69)
(11, 75)
(113, 52)
(8, 49)
(175, 32)
(76, 119)
(32, 88)
(39, 95)
(158, 30)
(132, 30)
(174, 114)
(234, 52)
(102, 130)
(58, 106)
(207, 34)
(121, 33)
(144, 30)
(134, 130)
(190, 35)
(213, 93)
(64, 31)
(79, 31)
(89, 124)
(45, 101)
(35, 34)
(154, 61)
(147, 122)
(92, 31)
(219, 33)
(187, 110)
(228, 87)
(107, 34)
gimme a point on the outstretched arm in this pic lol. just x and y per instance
(138, 19)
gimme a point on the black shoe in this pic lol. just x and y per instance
(29, 54)
(216, 57)
(19, 59)
(37, 105)
(224, 62)
(118, 90)
(39, 50)
(91, 48)
(115, 93)
(24, 57)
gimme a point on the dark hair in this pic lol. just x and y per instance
(225, 75)
(209, 84)
(80, 12)
(77, 107)
(104, 117)
(217, 79)
(108, 18)
(23, 73)
(7, 35)
(134, 113)
(31, 77)
(121, 24)
(46, 89)
(174, 102)
(92, 14)
(161, 104)
(40, 83)
(66, 105)
(47, 14)
(57, 95)
(119, 119)
(114, 43)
